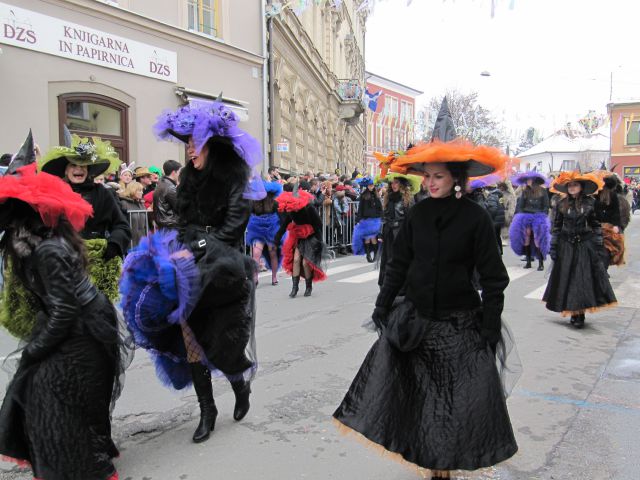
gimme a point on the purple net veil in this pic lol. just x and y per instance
(215, 120)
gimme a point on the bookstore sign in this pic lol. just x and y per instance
(42, 33)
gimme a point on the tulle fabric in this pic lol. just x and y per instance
(313, 251)
(365, 229)
(48, 195)
(539, 225)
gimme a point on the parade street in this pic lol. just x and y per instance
(575, 410)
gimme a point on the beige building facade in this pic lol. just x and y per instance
(109, 68)
(317, 85)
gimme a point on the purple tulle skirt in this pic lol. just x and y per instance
(365, 229)
(536, 223)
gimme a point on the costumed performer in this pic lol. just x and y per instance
(204, 324)
(438, 403)
(397, 201)
(107, 232)
(578, 282)
(368, 222)
(608, 213)
(530, 230)
(55, 416)
(264, 224)
(304, 251)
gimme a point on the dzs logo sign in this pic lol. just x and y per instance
(18, 29)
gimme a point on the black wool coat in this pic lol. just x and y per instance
(436, 251)
(107, 221)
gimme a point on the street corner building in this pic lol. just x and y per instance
(107, 67)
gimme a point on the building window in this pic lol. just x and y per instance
(568, 165)
(88, 114)
(633, 133)
(203, 16)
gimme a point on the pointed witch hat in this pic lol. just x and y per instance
(444, 130)
(25, 156)
(446, 147)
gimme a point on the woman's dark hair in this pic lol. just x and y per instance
(265, 205)
(534, 191)
(200, 191)
(17, 215)
(565, 203)
(605, 195)
(460, 173)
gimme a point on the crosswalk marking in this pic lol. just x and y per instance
(363, 277)
(517, 272)
(346, 268)
(537, 293)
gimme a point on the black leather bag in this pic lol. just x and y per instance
(405, 327)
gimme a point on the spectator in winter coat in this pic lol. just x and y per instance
(494, 204)
(340, 215)
(164, 196)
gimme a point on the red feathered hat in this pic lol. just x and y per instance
(46, 194)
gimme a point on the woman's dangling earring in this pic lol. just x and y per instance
(458, 190)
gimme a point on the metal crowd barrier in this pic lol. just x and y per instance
(337, 230)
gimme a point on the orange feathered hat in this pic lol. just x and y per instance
(591, 184)
(445, 147)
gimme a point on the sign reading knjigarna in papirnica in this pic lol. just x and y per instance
(42, 33)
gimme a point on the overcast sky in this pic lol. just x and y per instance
(550, 60)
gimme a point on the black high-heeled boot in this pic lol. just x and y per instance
(527, 252)
(294, 288)
(208, 411)
(540, 262)
(242, 390)
(309, 284)
(369, 251)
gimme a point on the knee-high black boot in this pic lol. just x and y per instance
(242, 390)
(527, 252)
(540, 262)
(294, 288)
(208, 411)
(309, 286)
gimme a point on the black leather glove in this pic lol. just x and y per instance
(112, 251)
(379, 317)
(492, 337)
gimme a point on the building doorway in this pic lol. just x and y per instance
(90, 114)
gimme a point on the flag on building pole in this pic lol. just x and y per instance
(372, 99)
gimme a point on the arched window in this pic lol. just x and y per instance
(90, 114)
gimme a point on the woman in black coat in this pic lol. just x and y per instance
(578, 281)
(368, 222)
(396, 204)
(439, 405)
(607, 209)
(195, 286)
(56, 413)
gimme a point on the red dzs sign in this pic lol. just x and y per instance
(54, 36)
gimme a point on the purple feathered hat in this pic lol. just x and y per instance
(520, 179)
(215, 120)
(485, 181)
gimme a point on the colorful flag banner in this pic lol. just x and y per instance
(372, 99)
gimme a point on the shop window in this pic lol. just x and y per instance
(94, 115)
(203, 16)
(633, 133)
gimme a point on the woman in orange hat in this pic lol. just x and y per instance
(578, 281)
(428, 391)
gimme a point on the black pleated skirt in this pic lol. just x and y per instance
(440, 406)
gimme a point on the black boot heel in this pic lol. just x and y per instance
(208, 411)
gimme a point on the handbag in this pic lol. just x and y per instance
(405, 327)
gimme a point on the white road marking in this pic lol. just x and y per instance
(362, 278)
(346, 268)
(537, 293)
(517, 272)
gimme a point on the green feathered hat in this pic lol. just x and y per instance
(414, 181)
(97, 155)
